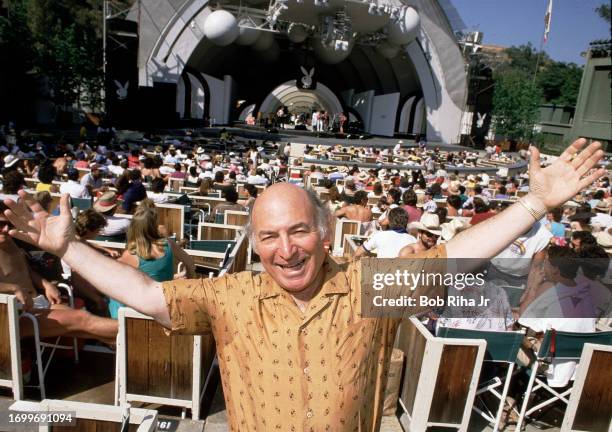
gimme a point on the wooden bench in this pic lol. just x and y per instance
(172, 216)
(234, 217)
(440, 378)
(341, 229)
(10, 347)
(213, 231)
(238, 258)
(210, 253)
(154, 367)
(351, 244)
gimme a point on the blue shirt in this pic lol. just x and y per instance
(135, 192)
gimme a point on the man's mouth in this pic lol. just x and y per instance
(293, 266)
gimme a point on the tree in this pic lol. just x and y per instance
(560, 83)
(515, 105)
(18, 85)
(604, 12)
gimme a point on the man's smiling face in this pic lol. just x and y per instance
(287, 237)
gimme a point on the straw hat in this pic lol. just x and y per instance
(453, 188)
(363, 176)
(10, 160)
(106, 202)
(429, 222)
(604, 239)
(452, 228)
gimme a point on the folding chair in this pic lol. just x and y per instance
(560, 346)
(90, 417)
(81, 203)
(40, 346)
(502, 347)
(590, 404)
(153, 367)
(10, 347)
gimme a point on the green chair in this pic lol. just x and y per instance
(119, 238)
(219, 246)
(502, 347)
(219, 218)
(81, 203)
(557, 345)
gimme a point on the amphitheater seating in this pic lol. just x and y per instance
(440, 378)
(90, 417)
(10, 347)
(154, 367)
(590, 403)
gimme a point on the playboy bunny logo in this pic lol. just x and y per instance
(480, 120)
(122, 89)
(307, 78)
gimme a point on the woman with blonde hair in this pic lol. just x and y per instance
(151, 253)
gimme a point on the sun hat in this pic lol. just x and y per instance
(10, 160)
(453, 189)
(429, 222)
(452, 228)
(106, 202)
(604, 239)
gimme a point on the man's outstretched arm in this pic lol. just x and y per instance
(548, 188)
(56, 235)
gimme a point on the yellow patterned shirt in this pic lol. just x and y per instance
(287, 370)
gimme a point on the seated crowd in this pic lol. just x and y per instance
(401, 212)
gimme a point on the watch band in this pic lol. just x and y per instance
(537, 214)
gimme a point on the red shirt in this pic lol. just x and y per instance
(479, 217)
(414, 214)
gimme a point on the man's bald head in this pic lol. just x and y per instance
(282, 198)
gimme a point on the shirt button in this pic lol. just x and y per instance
(306, 371)
(309, 414)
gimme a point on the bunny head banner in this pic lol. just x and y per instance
(306, 80)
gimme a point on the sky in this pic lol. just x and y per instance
(515, 22)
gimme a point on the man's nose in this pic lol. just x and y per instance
(286, 247)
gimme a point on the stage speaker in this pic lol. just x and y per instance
(156, 106)
(121, 82)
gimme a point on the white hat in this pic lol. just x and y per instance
(604, 239)
(429, 222)
(363, 176)
(200, 150)
(452, 228)
(10, 160)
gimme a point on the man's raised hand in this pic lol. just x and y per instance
(33, 224)
(566, 176)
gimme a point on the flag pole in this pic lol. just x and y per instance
(547, 18)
